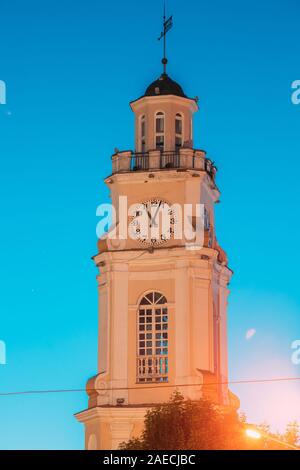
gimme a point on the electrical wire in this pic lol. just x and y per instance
(141, 387)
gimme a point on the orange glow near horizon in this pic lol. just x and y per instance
(253, 434)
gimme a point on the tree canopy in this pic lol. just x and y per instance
(201, 425)
(187, 425)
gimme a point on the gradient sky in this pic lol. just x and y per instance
(71, 69)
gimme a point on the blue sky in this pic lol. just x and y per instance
(71, 69)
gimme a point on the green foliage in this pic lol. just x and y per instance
(187, 425)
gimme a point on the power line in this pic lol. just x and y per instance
(80, 390)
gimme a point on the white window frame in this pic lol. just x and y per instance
(179, 117)
(160, 115)
(142, 138)
(152, 339)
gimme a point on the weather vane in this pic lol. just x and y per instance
(167, 25)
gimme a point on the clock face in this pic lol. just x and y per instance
(152, 222)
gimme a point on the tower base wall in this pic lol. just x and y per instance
(107, 427)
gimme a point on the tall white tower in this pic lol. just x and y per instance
(162, 307)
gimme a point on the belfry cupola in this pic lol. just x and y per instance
(163, 117)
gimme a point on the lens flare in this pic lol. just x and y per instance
(253, 434)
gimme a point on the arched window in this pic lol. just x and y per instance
(159, 131)
(178, 130)
(152, 339)
(143, 133)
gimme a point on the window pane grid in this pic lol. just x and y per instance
(152, 360)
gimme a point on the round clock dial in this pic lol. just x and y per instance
(152, 222)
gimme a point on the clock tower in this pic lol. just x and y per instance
(162, 298)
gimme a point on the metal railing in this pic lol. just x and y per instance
(124, 162)
(170, 159)
(152, 369)
(139, 161)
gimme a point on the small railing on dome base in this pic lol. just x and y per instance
(183, 158)
(152, 369)
(139, 161)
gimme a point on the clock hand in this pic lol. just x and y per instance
(153, 221)
(148, 211)
(146, 206)
(149, 215)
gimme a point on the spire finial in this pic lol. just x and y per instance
(167, 25)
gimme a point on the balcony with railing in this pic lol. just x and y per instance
(183, 158)
(152, 369)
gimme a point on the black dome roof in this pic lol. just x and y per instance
(164, 86)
